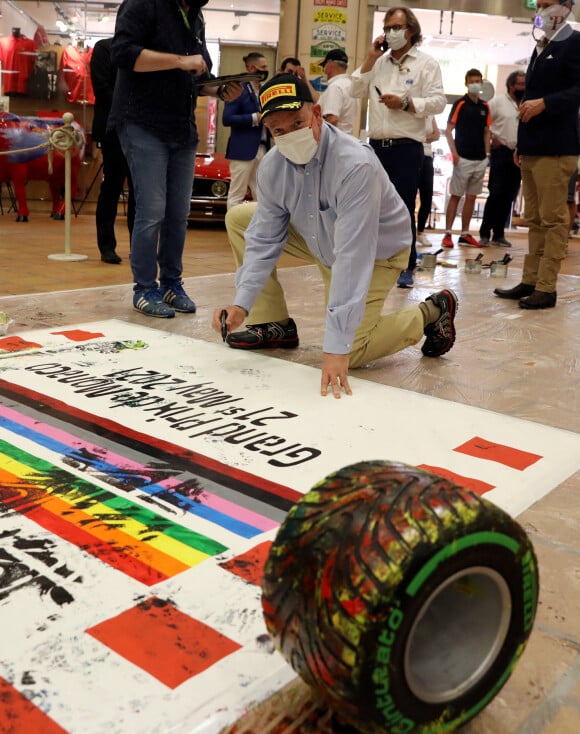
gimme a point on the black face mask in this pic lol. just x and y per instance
(263, 75)
(519, 94)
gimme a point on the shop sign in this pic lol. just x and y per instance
(329, 16)
(319, 50)
(334, 3)
(329, 32)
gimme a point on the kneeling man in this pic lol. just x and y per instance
(324, 197)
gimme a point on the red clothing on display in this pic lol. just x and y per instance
(16, 54)
(76, 74)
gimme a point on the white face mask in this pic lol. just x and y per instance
(550, 20)
(396, 39)
(474, 88)
(299, 146)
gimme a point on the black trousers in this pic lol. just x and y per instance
(504, 183)
(425, 192)
(115, 171)
(403, 165)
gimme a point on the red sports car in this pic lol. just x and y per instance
(210, 188)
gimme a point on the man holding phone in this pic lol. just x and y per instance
(405, 87)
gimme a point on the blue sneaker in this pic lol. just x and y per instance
(405, 279)
(177, 298)
(150, 302)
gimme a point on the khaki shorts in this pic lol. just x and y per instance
(467, 177)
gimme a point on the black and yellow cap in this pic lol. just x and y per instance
(283, 93)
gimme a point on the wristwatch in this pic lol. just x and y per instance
(404, 103)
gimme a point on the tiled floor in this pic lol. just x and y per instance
(506, 360)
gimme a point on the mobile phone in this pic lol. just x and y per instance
(385, 45)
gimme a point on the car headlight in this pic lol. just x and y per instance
(219, 188)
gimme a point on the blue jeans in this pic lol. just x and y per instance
(162, 175)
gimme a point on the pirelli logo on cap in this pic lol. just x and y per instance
(280, 90)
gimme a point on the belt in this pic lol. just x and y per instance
(389, 142)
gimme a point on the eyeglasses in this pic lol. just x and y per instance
(395, 28)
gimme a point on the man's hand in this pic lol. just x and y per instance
(231, 91)
(335, 374)
(196, 64)
(301, 73)
(530, 108)
(376, 51)
(235, 318)
(392, 101)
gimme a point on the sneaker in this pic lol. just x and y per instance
(501, 241)
(177, 298)
(484, 241)
(441, 334)
(447, 241)
(150, 302)
(466, 240)
(272, 335)
(422, 239)
(405, 279)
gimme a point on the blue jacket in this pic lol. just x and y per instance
(245, 137)
(555, 76)
(163, 102)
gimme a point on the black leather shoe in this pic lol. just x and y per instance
(539, 299)
(519, 291)
(111, 257)
(272, 335)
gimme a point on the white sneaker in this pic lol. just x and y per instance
(423, 240)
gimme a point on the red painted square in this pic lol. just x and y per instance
(475, 485)
(250, 565)
(18, 714)
(481, 448)
(78, 335)
(164, 642)
(17, 344)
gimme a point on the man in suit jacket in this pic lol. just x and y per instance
(548, 147)
(248, 139)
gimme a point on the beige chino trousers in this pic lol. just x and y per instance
(545, 189)
(377, 335)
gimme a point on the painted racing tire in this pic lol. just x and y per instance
(402, 598)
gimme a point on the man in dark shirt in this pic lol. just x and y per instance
(548, 147)
(470, 119)
(162, 59)
(115, 169)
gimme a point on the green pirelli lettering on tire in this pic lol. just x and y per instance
(486, 537)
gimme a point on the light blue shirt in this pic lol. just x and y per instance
(347, 210)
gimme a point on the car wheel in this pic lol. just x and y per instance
(402, 598)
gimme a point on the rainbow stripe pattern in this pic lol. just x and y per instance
(106, 522)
